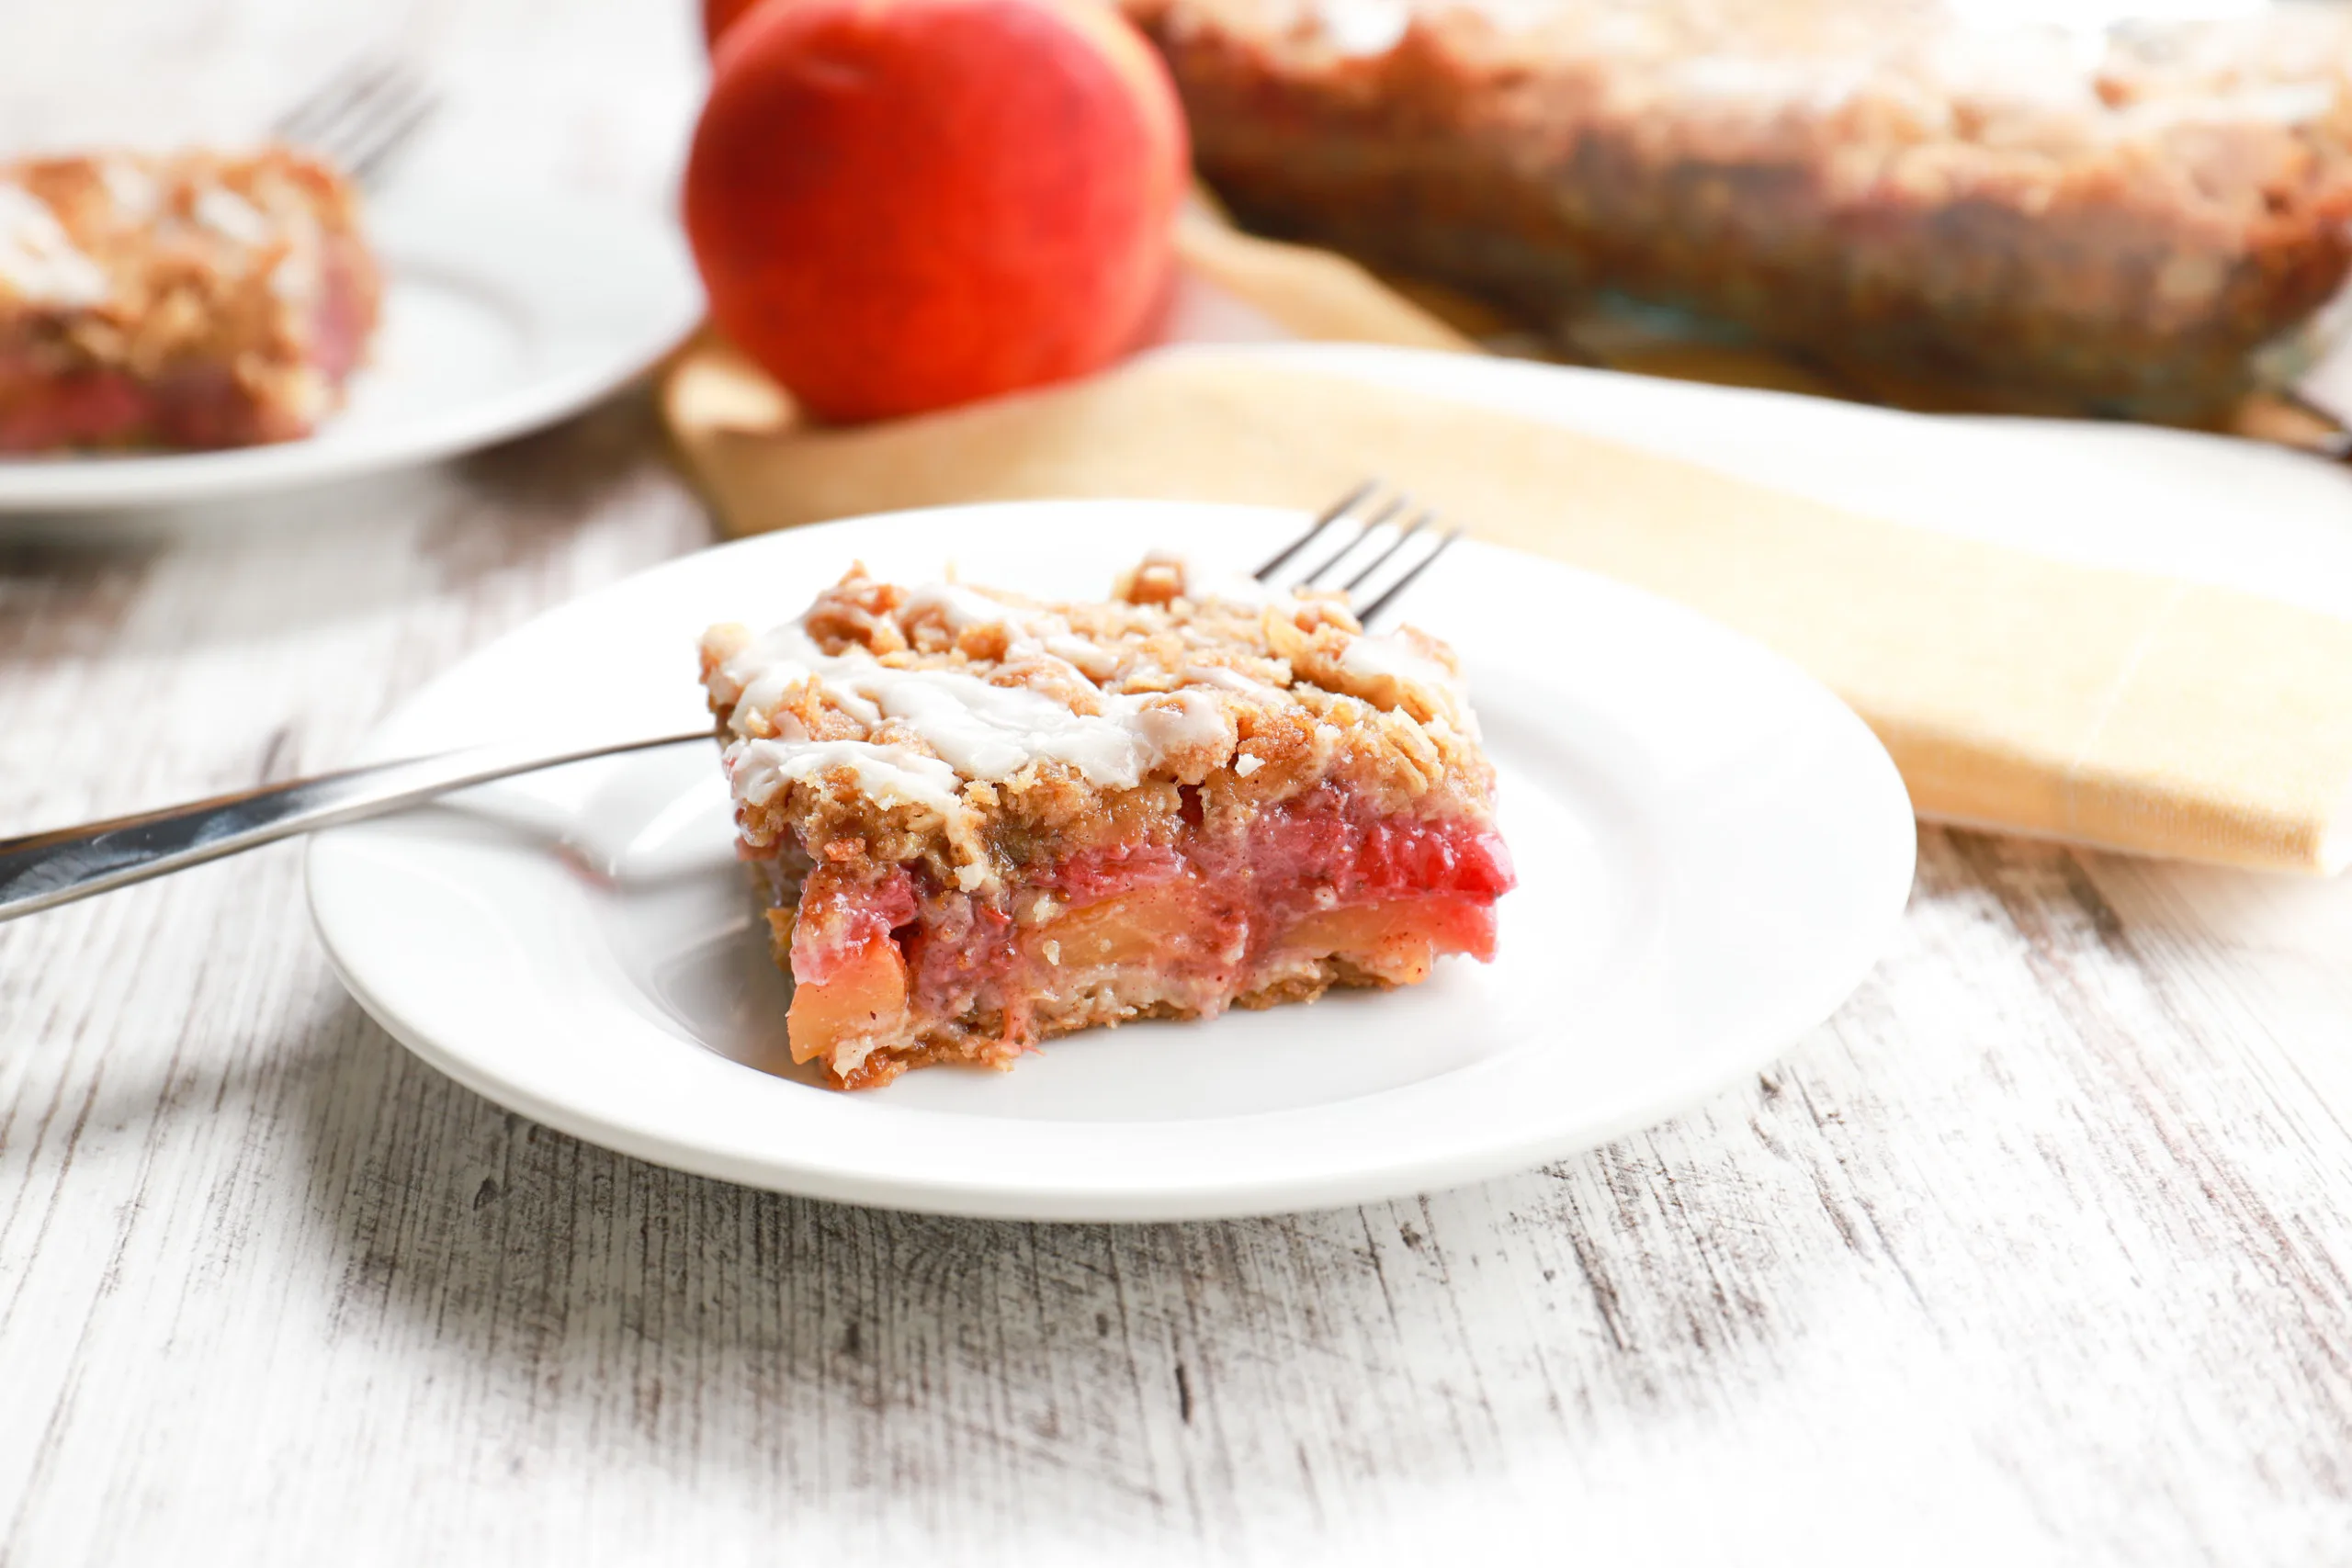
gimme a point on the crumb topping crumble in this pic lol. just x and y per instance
(2218, 121)
(975, 730)
(143, 264)
(2109, 209)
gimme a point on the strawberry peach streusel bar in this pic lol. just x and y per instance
(985, 820)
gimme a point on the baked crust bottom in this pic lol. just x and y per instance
(984, 1041)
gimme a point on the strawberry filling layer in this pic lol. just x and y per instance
(1214, 917)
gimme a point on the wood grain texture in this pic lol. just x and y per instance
(2037, 1252)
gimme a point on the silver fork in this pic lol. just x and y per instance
(41, 871)
(1373, 518)
(360, 116)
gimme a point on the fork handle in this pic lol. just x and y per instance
(42, 870)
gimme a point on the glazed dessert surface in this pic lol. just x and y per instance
(191, 300)
(985, 820)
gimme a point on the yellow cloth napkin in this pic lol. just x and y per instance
(2111, 707)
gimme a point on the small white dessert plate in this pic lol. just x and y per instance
(1711, 851)
(495, 323)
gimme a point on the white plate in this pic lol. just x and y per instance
(1712, 849)
(494, 324)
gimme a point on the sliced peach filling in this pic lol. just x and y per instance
(1146, 927)
(1396, 940)
(864, 996)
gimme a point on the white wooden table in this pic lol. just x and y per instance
(2039, 1251)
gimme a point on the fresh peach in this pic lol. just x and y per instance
(902, 204)
(718, 15)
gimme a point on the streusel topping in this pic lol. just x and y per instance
(965, 726)
(2221, 113)
(141, 262)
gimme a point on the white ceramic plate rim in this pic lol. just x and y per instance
(1365, 1148)
(637, 303)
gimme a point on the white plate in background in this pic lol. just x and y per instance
(503, 313)
(1711, 851)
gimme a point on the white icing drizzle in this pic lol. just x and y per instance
(1091, 660)
(891, 775)
(981, 731)
(231, 216)
(961, 608)
(1034, 633)
(136, 194)
(1226, 679)
(1372, 657)
(37, 258)
(300, 273)
(1195, 720)
(1364, 27)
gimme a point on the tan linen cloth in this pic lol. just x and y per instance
(2115, 708)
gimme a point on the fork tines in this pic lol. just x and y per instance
(1386, 541)
(361, 114)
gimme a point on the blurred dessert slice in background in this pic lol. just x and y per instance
(2117, 216)
(196, 300)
